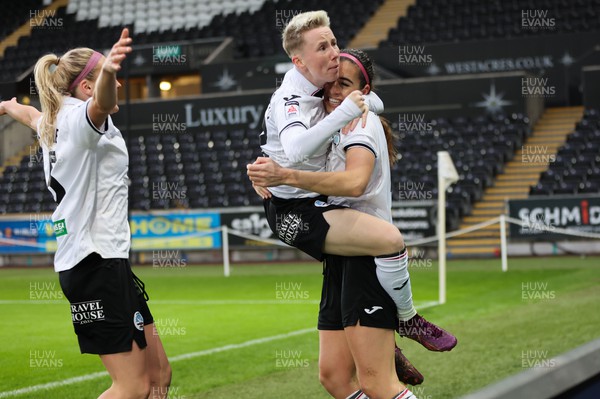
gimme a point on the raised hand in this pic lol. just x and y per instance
(118, 52)
(3, 105)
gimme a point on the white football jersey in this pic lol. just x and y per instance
(86, 172)
(295, 102)
(377, 198)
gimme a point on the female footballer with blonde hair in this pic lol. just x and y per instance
(86, 163)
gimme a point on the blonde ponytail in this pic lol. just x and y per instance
(53, 75)
(50, 97)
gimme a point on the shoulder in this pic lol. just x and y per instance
(373, 120)
(71, 109)
(373, 127)
(293, 104)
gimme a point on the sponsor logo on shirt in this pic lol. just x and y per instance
(60, 228)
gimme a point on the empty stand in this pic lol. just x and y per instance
(442, 21)
(16, 13)
(255, 25)
(576, 167)
(479, 147)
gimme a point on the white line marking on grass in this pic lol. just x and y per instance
(257, 341)
(425, 305)
(185, 356)
(51, 385)
(32, 302)
(207, 302)
(236, 302)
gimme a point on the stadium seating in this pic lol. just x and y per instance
(442, 21)
(576, 168)
(15, 14)
(255, 25)
(479, 146)
(202, 169)
(207, 168)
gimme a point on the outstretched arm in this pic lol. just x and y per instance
(25, 114)
(350, 182)
(105, 98)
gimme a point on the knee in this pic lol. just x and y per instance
(142, 389)
(326, 378)
(132, 388)
(333, 381)
(393, 240)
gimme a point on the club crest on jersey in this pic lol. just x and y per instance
(336, 139)
(321, 204)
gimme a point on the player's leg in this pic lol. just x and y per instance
(107, 319)
(354, 233)
(360, 234)
(336, 365)
(128, 373)
(157, 364)
(318, 228)
(373, 353)
(357, 234)
(365, 303)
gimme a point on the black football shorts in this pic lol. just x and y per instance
(299, 222)
(352, 293)
(108, 305)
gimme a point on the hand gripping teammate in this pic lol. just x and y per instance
(297, 136)
(85, 163)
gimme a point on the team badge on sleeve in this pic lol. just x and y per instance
(292, 107)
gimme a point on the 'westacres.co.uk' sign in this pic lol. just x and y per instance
(556, 57)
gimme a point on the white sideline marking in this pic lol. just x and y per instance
(422, 305)
(178, 302)
(425, 305)
(51, 385)
(185, 356)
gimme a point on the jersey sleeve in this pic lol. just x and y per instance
(300, 142)
(82, 129)
(374, 102)
(293, 110)
(363, 137)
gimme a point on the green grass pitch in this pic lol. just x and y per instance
(253, 334)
